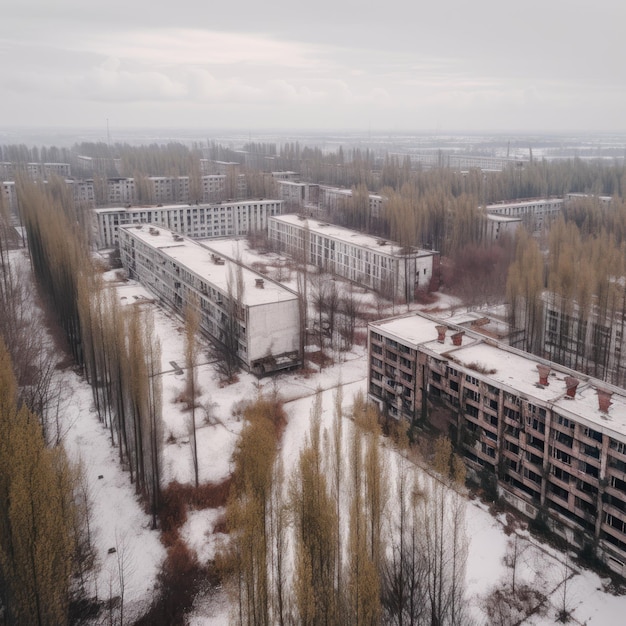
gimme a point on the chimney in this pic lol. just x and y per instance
(571, 383)
(441, 332)
(604, 400)
(544, 372)
(258, 283)
(457, 337)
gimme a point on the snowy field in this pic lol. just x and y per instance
(121, 523)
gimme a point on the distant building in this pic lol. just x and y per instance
(334, 199)
(105, 166)
(287, 175)
(553, 440)
(169, 188)
(603, 200)
(180, 272)
(33, 171)
(9, 195)
(297, 194)
(120, 191)
(535, 213)
(224, 219)
(441, 158)
(499, 226)
(369, 261)
(83, 192)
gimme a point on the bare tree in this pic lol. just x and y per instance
(192, 323)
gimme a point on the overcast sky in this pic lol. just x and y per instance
(537, 65)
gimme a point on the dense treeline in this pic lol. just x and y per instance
(171, 159)
(20, 153)
(580, 276)
(115, 345)
(338, 543)
(41, 523)
(45, 547)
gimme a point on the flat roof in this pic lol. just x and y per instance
(503, 218)
(184, 205)
(339, 233)
(499, 205)
(198, 258)
(512, 369)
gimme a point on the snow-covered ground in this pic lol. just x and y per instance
(121, 523)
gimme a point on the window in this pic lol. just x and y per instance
(563, 421)
(592, 434)
(511, 447)
(511, 414)
(617, 445)
(561, 456)
(591, 451)
(471, 380)
(559, 492)
(562, 438)
(470, 394)
(471, 410)
(528, 473)
(489, 451)
(589, 469)
(559, 473)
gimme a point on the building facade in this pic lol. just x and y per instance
(34, 171)
(225, 219)
(498, 226)
(551, 439)
(535, 214)
(262, 315)
(370, 261)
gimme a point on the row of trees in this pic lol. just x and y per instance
(339, 542)
(580, 278)
(43, 540)
(115, 345)
(45, 544)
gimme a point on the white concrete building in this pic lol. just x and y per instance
(285, 175)
(297, 194)
(9, 195)
(223, 219)
(169, 189)
(604, 201)
(535, 214)
(120, 191)
(35, 171)
(500, 225)
(56, 169)
(83, 192)
(334, 199)
(180, 271)
(364, 259)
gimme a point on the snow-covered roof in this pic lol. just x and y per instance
(353, 237)
(200, 260)
(166, 207)
(511, 369)
(494, 217)
(523, 203)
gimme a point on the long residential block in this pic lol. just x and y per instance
(552, 439)
(185, 273)
(370, 261)
(222, 219)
